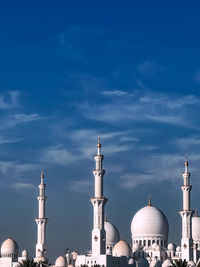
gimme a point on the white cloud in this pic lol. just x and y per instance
(10, 100)
(58, 155)
(145, 106)
(4, 140)
(149, 69)
(19, 118)
(114, 93)
(81, 186)
(15, 169)
(19, 186)
(197, 76)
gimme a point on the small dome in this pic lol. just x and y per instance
(136, 246)
(24, 253)
(60, 262)
(167, 263)
(171, 246)
(155, 263)
(158, 248)
(39, 254)
(131, 261)
(142, 262)
(74, 255)
(122, 248)
(9, 247)
(157, 223)
(112, 234)
(191, 264)
(196, 228)
(178, 249)
(154, 246)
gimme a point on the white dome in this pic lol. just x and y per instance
(112, 234)
(74, 255)
(191, 264)
(196, 228)
(131, 261)
(158, 248)
(122, 248)
(167, 263)
(155, 263)
(142, 262)
(24, 253)
(154, 246)
(178, 249)
(9, 247)
(157, 223)
(60, 262)
(136, 246)
(171, 246)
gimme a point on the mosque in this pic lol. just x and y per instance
(149, 230)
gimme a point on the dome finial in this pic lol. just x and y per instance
(149, 200)
(105, 219)
(196, 213)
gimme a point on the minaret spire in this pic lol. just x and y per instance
(41, 220)
(186, 214)
(98, 202)
(149, 200)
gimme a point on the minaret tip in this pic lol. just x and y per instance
(186, 160)
(42, 174)
(149, 200)
(99, 146)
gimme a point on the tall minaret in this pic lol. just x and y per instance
(98, 202)
(41, 220)
(186, 214)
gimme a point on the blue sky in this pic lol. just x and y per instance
(75, 70)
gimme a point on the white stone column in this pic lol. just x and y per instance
(98, 202)
(41, 220)
(186, 214)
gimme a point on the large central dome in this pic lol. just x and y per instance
(150, 224)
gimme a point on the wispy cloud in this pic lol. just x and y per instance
(13, 120)
(149, 69)
(114, 93)
(81, 186)
(197, 76)
(19, 186)
(9, 100)
(145, 106)
(15, 168)
(4, 140)
(58, 155)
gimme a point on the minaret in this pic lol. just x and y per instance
(41, 220)
(98, 202)
(186, 214)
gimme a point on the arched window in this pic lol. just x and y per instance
(144, 243)
(149, 243)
